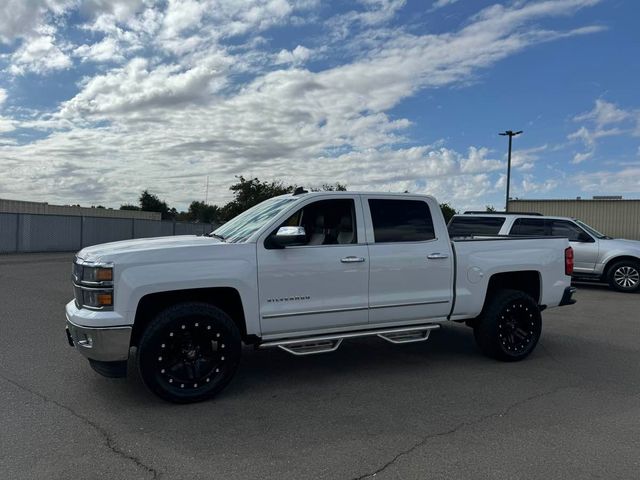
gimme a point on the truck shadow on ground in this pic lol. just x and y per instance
(265, 371)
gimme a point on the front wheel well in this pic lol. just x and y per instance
(613, 261)
(226, 299)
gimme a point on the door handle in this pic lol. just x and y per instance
(352, 259)
(437, 256)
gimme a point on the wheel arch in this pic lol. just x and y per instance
(614, 260)
(227, 299)
(527, 281)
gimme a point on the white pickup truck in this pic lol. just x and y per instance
(302, 272)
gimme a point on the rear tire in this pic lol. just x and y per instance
(189, 352)
(509, 327)
(624, 276)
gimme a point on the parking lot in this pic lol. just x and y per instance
(370, 410)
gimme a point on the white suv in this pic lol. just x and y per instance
(597, 256)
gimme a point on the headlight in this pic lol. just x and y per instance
(93, 285)
(87, 275)
(93, 297)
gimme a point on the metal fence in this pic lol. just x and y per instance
(25, 232)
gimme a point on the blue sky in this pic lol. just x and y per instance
(102, 99)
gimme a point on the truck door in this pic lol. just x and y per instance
(323, 283)
(411, 272)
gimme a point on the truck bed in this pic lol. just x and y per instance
(478, 259)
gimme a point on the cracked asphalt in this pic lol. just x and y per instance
(370, 410)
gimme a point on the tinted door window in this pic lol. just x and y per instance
(401, 221)
(326, 222)
(562, 228)
(467, 226)
(528, 226)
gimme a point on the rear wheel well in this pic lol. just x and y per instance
(226, 299)
(613, 261)
(527, 281)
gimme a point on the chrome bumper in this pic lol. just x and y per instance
(104, 344)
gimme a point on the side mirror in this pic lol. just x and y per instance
(289, 237)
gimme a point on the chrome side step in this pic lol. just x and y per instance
(406, 337)
(309, 348)
(330, 343)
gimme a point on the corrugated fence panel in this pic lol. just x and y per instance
(193, 228)
(102, 230)
(166, 228)
(48, 233)
(8, 232)
(147, 228)
(26, 232)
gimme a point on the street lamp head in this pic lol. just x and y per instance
(510, 133)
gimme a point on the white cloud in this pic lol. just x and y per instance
(106, 50)
(21, 18)
(182, 15)
(39, 54)
(525, 159)
(139, 86)
(443, 3)
(174, 113)
(581, 157)
(626, 180)
(3, 96)
(297, 56)
(605, 120)
(529, 185)
(604, 113)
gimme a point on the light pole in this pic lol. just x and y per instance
(510, 134)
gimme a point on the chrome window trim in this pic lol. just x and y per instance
(327, 245)
(409, 242)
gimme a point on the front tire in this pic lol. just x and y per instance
(624, 276)
(509, 327)
(189, 352)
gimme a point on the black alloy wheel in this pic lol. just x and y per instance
(509, 327)
(516, 327)
(189, 352)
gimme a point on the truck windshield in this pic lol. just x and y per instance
(240, 228)
(592, 230)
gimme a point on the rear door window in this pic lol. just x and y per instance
(468, 226)
(401, 221)
(529, 226)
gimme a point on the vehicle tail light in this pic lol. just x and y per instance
(568, 261)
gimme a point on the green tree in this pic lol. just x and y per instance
(327, 187)
(204, 213)
(447, 211)
(128, 206)
(151, 203)
(490, 208)
(250, 192)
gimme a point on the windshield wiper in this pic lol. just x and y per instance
(217, 235)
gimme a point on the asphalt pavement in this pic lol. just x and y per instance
(370, 410)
